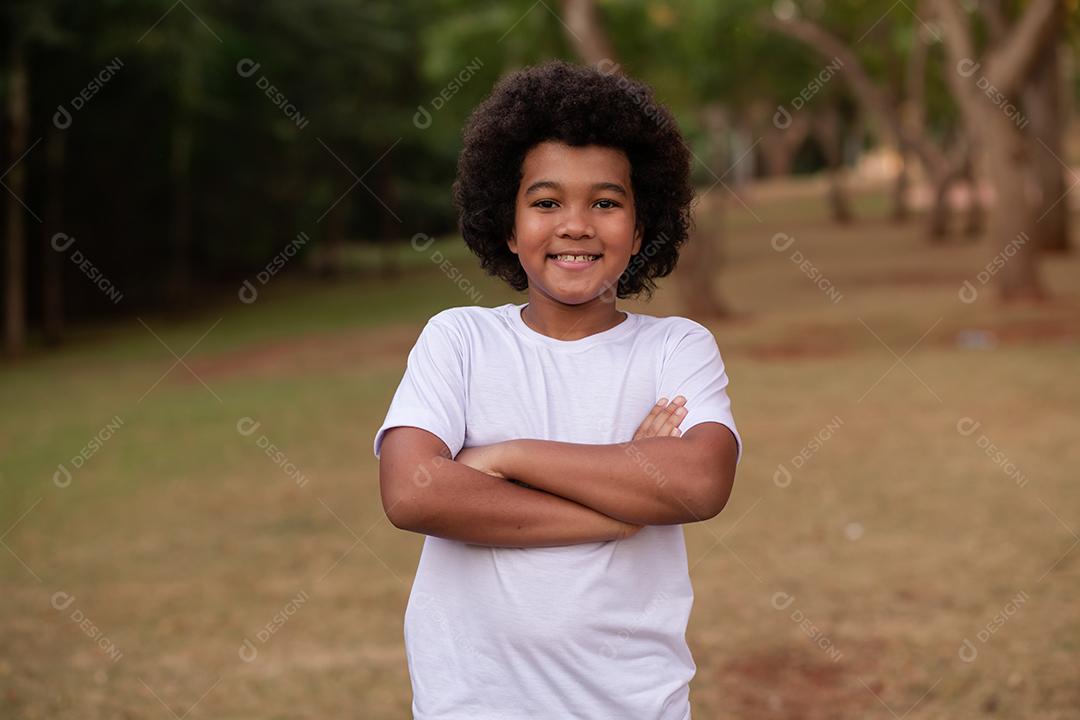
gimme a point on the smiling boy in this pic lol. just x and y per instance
(553, 580)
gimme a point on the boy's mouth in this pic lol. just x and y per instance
(575, 260)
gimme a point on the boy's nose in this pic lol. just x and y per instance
(575, 226)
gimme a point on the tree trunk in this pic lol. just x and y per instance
(698, 260)
(828, 131)
(187, 99)
(586, 32)
(389, 230)
(780, 145)
(742, 143)
(180, 229)
(52, 268)
(937, 221)
(332, 256)
(15, 256)
(901, 209)
(976, 213)
(697, 283)
(1042, 103)
(1013, 214)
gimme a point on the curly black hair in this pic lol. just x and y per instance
(576, 105)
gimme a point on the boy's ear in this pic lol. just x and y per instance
(511, 242)
(639, 233)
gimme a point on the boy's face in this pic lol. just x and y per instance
(574, 201)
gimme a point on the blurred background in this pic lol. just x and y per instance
(225, 222)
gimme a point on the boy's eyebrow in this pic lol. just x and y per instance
(552, 185)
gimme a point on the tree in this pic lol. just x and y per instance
(1044, 106)
(1007, 63)
(902, 120)
(15, 255)
(24, 25)
(829, 133)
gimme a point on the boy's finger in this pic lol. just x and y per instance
(666, 416)
(657, 422)
(648, 421)
(671, 427)
(675, 418)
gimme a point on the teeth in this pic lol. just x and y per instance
(576, 258)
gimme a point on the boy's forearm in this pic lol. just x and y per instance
(652, 481)
(456, 502)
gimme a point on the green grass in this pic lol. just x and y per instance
(898, 538)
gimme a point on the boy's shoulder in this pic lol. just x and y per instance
(673, 327)
(468, 320)
(465, 314)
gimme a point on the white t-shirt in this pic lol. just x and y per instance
(594, 630)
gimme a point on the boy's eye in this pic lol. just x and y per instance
(550, 204)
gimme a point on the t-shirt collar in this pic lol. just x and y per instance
(613, 333)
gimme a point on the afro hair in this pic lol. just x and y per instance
(576, 105)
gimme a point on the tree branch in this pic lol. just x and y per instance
(876, 103)
(959, 49)
(996, 25)
(1010, 63)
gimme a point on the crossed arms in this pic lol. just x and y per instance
(576, 493)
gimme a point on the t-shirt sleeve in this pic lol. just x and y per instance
(694, 369)
(431, 395)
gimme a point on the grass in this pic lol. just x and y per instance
(896, 539)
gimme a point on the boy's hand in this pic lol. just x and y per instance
(663, 420)
(481, 457)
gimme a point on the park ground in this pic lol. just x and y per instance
(903, 539)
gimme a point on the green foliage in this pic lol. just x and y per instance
(341, 90)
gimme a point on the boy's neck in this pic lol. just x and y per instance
(570, 322)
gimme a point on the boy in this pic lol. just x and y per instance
(553, 580)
